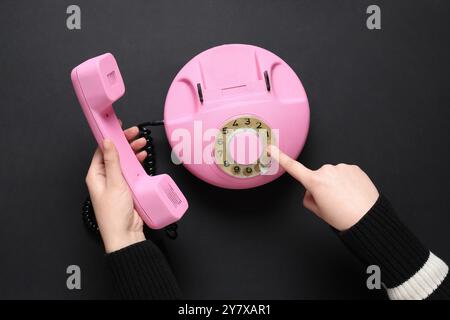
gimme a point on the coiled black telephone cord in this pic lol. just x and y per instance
(149, 167)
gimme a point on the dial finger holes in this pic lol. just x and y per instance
(240, 146)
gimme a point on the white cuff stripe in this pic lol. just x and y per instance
(423, 282)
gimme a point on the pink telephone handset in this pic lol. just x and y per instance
(98, 83)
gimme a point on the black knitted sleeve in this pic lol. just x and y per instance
(408, 269)
(141, 271)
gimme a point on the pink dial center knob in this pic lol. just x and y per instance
(244, 146)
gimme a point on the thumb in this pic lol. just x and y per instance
(112, 163)
(310, 203)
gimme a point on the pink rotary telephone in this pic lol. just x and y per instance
(98, 83)
(246, 95)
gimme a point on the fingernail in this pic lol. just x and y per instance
(106, 143)
(271, 149)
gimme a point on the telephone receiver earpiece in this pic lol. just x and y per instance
(98, 84)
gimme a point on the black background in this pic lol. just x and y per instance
(378, 98)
